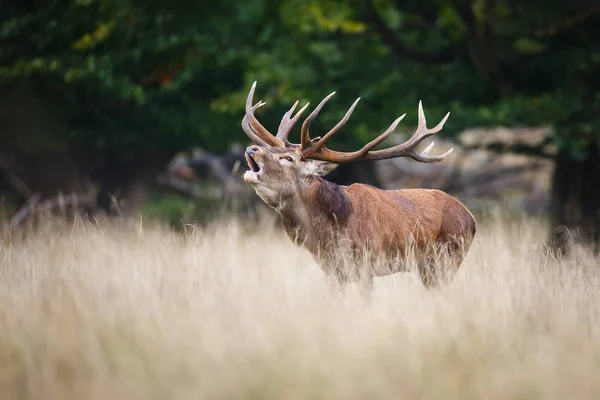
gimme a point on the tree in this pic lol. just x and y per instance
(129, 83)
(490, 62)
(126, 83)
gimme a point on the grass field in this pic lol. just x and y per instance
(129, 311)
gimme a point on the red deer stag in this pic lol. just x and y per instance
(340, 225)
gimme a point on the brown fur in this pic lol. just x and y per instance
(358, 232)
(361, 218)
(359, 228)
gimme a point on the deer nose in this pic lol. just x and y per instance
(252, 150)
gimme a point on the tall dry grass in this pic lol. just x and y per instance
(125, 311)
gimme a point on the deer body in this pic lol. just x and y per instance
(357, 231)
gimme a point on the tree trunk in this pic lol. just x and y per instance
(575, 212)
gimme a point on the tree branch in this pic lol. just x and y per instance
(33, 206)
(485, 178)
(398, 47)
(568, 23)
(481, 46)
(538, 151)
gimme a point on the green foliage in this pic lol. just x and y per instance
(173, 209)
(137, 78)
(132, 77)
(488, 63)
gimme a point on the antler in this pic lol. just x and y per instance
(248, 129)
(315, 148)
(288, 122)
(259, 134)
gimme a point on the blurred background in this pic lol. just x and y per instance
(124, 108)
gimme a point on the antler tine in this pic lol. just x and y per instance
(304, 136)
(407, 149)
(324, 153)
(248, 129)
(426, 158)
(256, 126)
(379, 139)
(422, 132)
(288, 122)
(285, 121)
(337, 127)
(319, 152)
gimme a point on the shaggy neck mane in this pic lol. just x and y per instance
(330, 200)
(320, 201)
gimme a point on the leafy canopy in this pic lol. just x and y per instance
(138, 78)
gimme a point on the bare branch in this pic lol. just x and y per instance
(33, 205)
(574, 20)
(540, 150)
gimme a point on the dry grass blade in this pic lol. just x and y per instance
(109, 311)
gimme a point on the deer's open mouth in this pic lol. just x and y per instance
(254, 167)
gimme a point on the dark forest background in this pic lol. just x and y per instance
(99, 98)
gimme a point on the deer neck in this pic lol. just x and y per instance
(316, 210)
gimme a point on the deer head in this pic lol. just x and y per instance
(280, 169)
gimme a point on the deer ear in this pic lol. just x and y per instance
(319, 168)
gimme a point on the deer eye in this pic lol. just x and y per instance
(290, 159)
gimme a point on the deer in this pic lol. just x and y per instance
(358, 232)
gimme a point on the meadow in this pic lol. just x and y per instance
(134, 310)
